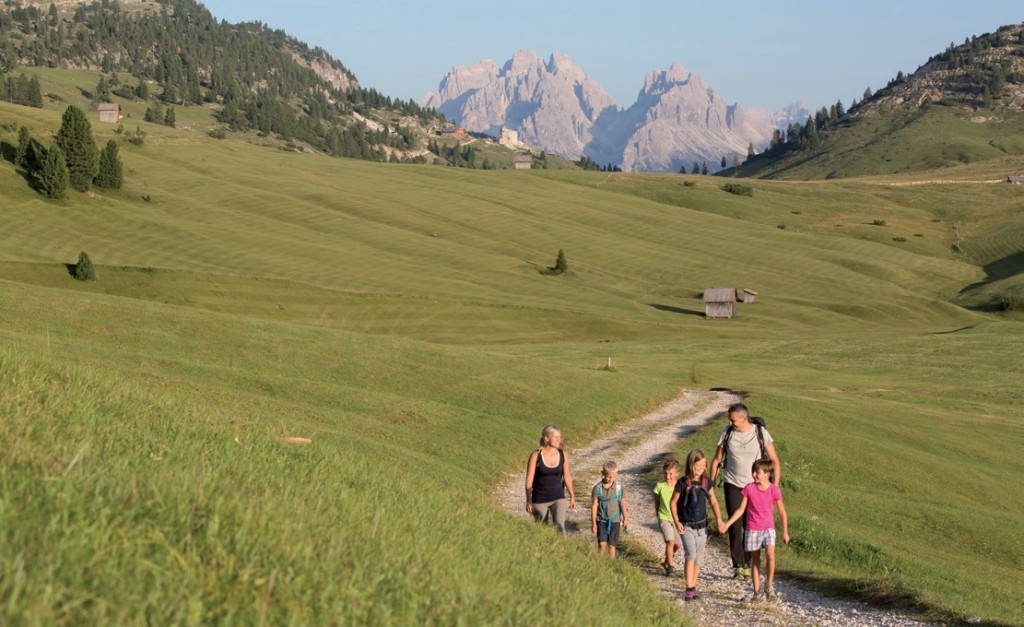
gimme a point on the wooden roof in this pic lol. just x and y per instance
(720, 295)
(109, 106)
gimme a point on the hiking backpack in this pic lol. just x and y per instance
(604, 504)
(760, 425)
(693, 511)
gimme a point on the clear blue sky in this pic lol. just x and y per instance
(757, 53)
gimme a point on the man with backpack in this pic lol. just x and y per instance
(741, 443)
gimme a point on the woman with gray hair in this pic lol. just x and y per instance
(548, 479)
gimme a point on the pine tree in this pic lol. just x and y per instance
(103, 90)
(169, 118)
(750, 149)
(84, 270)
(54, 178)
(111, 174)
(704, 168)
(21, 152)
(561, 265)
(723, 162)
(34, 97)
(867, 94)
(80, 153)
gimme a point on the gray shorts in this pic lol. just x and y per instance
(693, 544)
(669, 532)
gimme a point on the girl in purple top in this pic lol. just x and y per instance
(759, 501)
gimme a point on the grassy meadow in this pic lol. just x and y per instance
(398, 317)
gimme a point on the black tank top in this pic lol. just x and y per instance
(547, 482)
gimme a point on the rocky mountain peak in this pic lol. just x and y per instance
(677, 118)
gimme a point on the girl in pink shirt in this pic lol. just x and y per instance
(759, 501)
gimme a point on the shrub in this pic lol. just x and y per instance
(1014, 302)
(878, 222)
(899, 239)
(740, 189)
(561, 265)
(84, 270)
(689, 183)
(781, 226)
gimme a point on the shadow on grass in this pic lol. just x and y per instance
(1004, 268)
(876, 595)
(72, 269)
(678, 310)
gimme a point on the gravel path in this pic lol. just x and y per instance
(641, 445)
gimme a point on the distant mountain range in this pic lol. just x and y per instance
(676, 121)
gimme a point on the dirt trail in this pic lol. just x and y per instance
(636, 448)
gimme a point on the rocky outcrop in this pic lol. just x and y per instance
(676, 120)
(553, 104)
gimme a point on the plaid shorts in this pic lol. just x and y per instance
(757, 540)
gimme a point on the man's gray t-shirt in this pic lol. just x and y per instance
(743, 451)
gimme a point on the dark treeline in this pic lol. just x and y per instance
(248, 69)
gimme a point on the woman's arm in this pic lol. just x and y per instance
(531, 467)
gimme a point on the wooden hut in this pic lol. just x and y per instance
(749, 295)
(109, 112)
(522, 162)
(720, 302)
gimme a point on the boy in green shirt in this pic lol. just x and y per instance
(663, 510)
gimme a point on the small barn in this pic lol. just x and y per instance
(109, 112)
(452, 131)
(720, 302)
(522, 162)
(749, 295)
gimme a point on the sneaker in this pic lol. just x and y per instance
(668, 568)
(744, 573)
(749, 597)
(737, 574)
(690, 595)
(771, 596)
(696, 593)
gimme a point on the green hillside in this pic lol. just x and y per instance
(962, 106)
(398, 316)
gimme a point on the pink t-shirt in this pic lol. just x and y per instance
(760, 506)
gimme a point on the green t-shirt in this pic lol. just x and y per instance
(664, 492)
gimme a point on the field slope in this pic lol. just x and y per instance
(398, 316)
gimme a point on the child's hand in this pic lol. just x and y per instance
(721, 525)
(594, 529)
(785, 537)
(679, 527)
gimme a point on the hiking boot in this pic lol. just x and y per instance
(690, 595)
(771, 596)
(737, 574)
(749, 597)
(743, 574)
(696, 593)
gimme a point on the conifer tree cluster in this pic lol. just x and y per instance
(71, 161)
(247, 69)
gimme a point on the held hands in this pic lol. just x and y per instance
(721, 525)
(679, 527)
